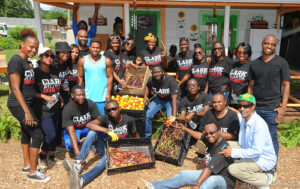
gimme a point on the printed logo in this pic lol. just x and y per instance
(199, 72)
(184, 64)
(120, 131)
(216, 71)
(81, 121)
(29, 77)
(152, 60)
(238, 76)
(51, 85)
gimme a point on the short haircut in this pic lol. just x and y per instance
(183, 39)
(197, 45)
(75, 87)
(82, 25)
(27, 32)
(96, 40)
(220, 94)
(247, 48)
(192, 79)
(210, 121)
(158, 66)
(112, 101)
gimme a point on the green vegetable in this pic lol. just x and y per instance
(289, 134)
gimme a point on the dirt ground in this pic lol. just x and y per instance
(11, 176)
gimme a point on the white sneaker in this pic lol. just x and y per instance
(38, 176)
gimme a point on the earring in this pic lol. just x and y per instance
(22, 51)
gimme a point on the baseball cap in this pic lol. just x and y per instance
(42, 50)
(247, 97)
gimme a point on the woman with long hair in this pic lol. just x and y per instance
(46, 104)
(239, 74)
(218, 72)
(72, 74)
(21, 83)
(113, 51)
(129, 53)
(199, 69)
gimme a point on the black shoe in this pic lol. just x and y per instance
(43, 161)
(71, 154)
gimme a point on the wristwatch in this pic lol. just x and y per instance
(196, 183)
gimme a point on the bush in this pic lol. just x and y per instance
(8, 43)
(9, 126)
(51, 46)
(15, 33)
(49, 37)
(289, 134)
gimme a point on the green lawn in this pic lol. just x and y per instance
(9, 53)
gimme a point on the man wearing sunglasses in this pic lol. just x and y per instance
(214, 175)
(257, 155)
(115, 125)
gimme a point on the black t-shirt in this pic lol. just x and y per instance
(83, 53)
(165, 89)
(72, 75)
(61, 70)
(218, 163)
(239, 78)
(218, 75)
(267, 78)
(20, 66)
(195, 106)
(125, 128)
(151, 58)
(229, 123)
(128, 59)
(198, 71)
(184, 63)
(71, 116)
(47, 84)
(119, 68)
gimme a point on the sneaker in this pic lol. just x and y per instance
(81, 182)
(43, 161)
(27, 169)
(143, 184)
(270, 177)
(74, 179)
(75, 167)
(71, 154)
(38, 176)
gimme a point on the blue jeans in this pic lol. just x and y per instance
(269, 116)
(80, 133)
(49, 128)
(188, 178)
(100, 106)
(153, 108)
(93, 138)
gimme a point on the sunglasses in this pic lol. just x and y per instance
(218, 48)
(245, 106)
(111, 109)
(48, 55)
(211, 133)
(192, 85)
(114, 37)
(130, 44)
(241, 53)
(196, 53)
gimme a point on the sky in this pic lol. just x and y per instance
(43, 6)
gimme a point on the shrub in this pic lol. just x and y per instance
(9, 126)
(49, 37)
(8, 43)
(289, 134)
(15, 33)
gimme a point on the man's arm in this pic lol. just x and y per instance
(73, 139)
(109, 74)
(204, 175)
(228, 136)
(93, 28)
(122, 83)
(195, 134)
(250, 87)
(74, 23)
(285, 98)
(174, 104)
(184, 79)
(95, 125)
(80, 72)
(205, 109)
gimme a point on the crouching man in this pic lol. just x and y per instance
(116, 126)
(257, 155)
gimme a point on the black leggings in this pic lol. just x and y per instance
(35, 133)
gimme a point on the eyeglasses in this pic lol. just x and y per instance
(192, 85)
(196, 53)
(241, 53)
(218, 48)
(114, 37)
(211, 133)
(130, 44)
(111, 109)
(48, 55)
(245, 106)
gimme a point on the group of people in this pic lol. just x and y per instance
(232, 107)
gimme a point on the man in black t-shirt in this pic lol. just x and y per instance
(82, 37)
(115, 125)
(76, 114)
(226, 118)
(267, 74)
(165, 88)
(194, 105)
(214, 175)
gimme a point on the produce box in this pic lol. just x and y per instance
(136, 79)
(172, 145)
(137, 146)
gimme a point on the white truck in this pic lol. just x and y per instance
(3, 29)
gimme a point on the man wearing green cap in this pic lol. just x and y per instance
(257, 155)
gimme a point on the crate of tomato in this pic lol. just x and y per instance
(172, 144)
(129, 154)
(133, 106)
(136, 80)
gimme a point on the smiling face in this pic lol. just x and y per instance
(269, 45)
(113, 109)
(218, 50)
(212, 132)
(184, 46)
(78, 96)
(246, 109)
(218, 102)
(82, 37)
(151, 44)
(199, 54)
(129, 45)
(63, 55)
(74, 54)
(30, 46)
(95, 49)
(157, 73)
(115, 44)
(241, 55)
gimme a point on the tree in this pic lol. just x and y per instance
(16, 8)
(54, 13)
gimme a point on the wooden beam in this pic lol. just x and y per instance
(293, 72)
(61, 5)
(287, 10)
(293, 99)
(163, 25)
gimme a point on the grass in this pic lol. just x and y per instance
(9, 53)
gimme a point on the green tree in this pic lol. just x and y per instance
(16, 8)
(49, 37)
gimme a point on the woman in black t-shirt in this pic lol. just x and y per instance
(129, 53)
(152, 55)
(218, 72)
(21, 83)
(72, 74)
(113, 51)
(239, 75)
(46, 104)
(198, 69)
